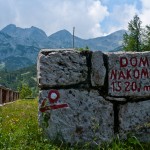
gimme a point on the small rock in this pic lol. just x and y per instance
(116, 99)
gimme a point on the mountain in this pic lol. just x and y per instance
(107, 43)
(19, 47)
(64, 39)
(29, 36)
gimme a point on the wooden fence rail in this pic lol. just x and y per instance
(8, 95)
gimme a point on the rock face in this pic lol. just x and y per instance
(83, 120)
(129, 74)
(59, 68)
(90, 97)
(98, 69)
(135, 118)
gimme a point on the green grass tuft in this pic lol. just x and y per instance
(19, 127)
(19, 130)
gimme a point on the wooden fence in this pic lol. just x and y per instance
(8, 95)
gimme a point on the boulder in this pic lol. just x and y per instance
(85, 117)
(129, 74)
(58, 68)
(134, 119)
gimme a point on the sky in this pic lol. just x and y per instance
(91, 18)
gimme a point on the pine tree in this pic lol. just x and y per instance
(132, 40)
(146, 39)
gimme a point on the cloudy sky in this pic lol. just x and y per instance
(91, 18)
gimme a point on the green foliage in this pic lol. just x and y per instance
(146, 39)
(138, 38)
(19, 130)
(132, 41)
(83, 49)
(25, 91)
(15, 79)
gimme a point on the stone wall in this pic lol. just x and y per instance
(7, 95)
(91, 96)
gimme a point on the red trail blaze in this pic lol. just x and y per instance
(52, 102)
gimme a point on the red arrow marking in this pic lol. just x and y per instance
(59, 106)
(43, 109)
(52, 101)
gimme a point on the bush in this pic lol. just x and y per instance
(25, 91)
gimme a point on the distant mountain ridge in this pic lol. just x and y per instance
(19, 47)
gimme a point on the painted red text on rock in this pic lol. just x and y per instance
(134, 62)
(128, 77)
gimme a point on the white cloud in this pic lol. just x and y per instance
(86, 16)
(145, 12)
(54, 15)
(146, 4)
(122, 14)
(120, 17)
(96, 13)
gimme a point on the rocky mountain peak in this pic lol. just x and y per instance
(14, 31)
(24, 43)
(61, 34)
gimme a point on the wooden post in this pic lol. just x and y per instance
(15, 96)
(3, 96)
(73, 36)
(11, 96)
(7, 95)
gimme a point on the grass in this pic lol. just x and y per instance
(19, 130)
(19, 127)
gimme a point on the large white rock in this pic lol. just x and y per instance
(88, 118)
(129, 74)
(60, 68)
(135, 119)
(98, 70)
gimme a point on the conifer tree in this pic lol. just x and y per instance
(132, 39)
(146, 39)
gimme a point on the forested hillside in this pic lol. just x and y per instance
(15, 79)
